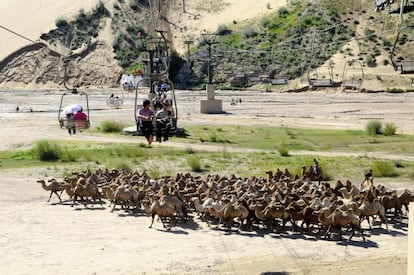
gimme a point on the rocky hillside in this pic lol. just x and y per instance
(293, 40)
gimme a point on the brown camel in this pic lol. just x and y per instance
(54, 187)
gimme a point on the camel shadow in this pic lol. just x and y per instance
(358, 243)
(383, 231)
(131, 213)
(86, 207)
(275, 273)
(173, 230)
(189, 224)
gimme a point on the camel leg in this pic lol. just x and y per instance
(113, 207)
(362, 233)
(384, 220)
(152, 221)
(229, 224)
(73, 201)
(352, 233)
(327, 233)
(51, 192)
(172, 222)
(58, 196)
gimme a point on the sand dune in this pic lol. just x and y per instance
(31, 18)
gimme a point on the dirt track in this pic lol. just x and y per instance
(42, 238)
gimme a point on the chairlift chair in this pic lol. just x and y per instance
(353, 75)
(404, 64)
(170, 92)
(115, 102)
(71, 122)
(318, 79)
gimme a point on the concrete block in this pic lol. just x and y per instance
(211, 106)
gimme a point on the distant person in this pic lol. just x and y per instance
(315, 168)
(70, 123)
(70, 112)
(17, 108)
(145, 117)
(369, 176)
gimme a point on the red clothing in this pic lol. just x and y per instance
(80, 116)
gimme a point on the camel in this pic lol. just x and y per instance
(310, 174)
(295, 211)
(162, 209)
(85, 189)
(276, 210)
(368, 209)
(310, 217)
(390, 201)
(125, 194)
(54, 187)
(232, 211)
(260, 216)
(338, 219)
(405, 198)
(178, 204)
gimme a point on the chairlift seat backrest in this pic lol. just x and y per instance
(321, 82)
(279, 81)
(406, 66)
(254, 79)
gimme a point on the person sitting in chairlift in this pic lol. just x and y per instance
(80, 115)
(163, 122)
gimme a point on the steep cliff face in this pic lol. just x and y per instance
(36, 66)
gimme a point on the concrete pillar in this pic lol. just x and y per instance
(211, 105)
(410, 261)
(210, 91)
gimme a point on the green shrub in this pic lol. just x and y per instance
(249, 32)
(194, 163)
(384, 169)
(110, 126)
(121, 165)
(61, 23)
(283, 151)
(389, 129)
(47, 151)
(223, 29)
(374, 127)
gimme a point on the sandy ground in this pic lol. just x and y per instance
(37, 237)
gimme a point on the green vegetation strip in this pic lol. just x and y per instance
(272, 144)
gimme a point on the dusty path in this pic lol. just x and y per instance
(42, 238)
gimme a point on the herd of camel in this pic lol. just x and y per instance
(270, 202)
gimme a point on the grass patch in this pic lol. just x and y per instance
(47, 151)
(111, 126)
(384, 169)
(374, 127)
(272, 145)
(194, 163)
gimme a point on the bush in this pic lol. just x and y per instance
(194, 163)
(61, 23)
(249, 32)
(389, 129)
(111, 126)
(384, 169)
(283, 151)
(374, 128)
(223, 29)
(46, 151)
